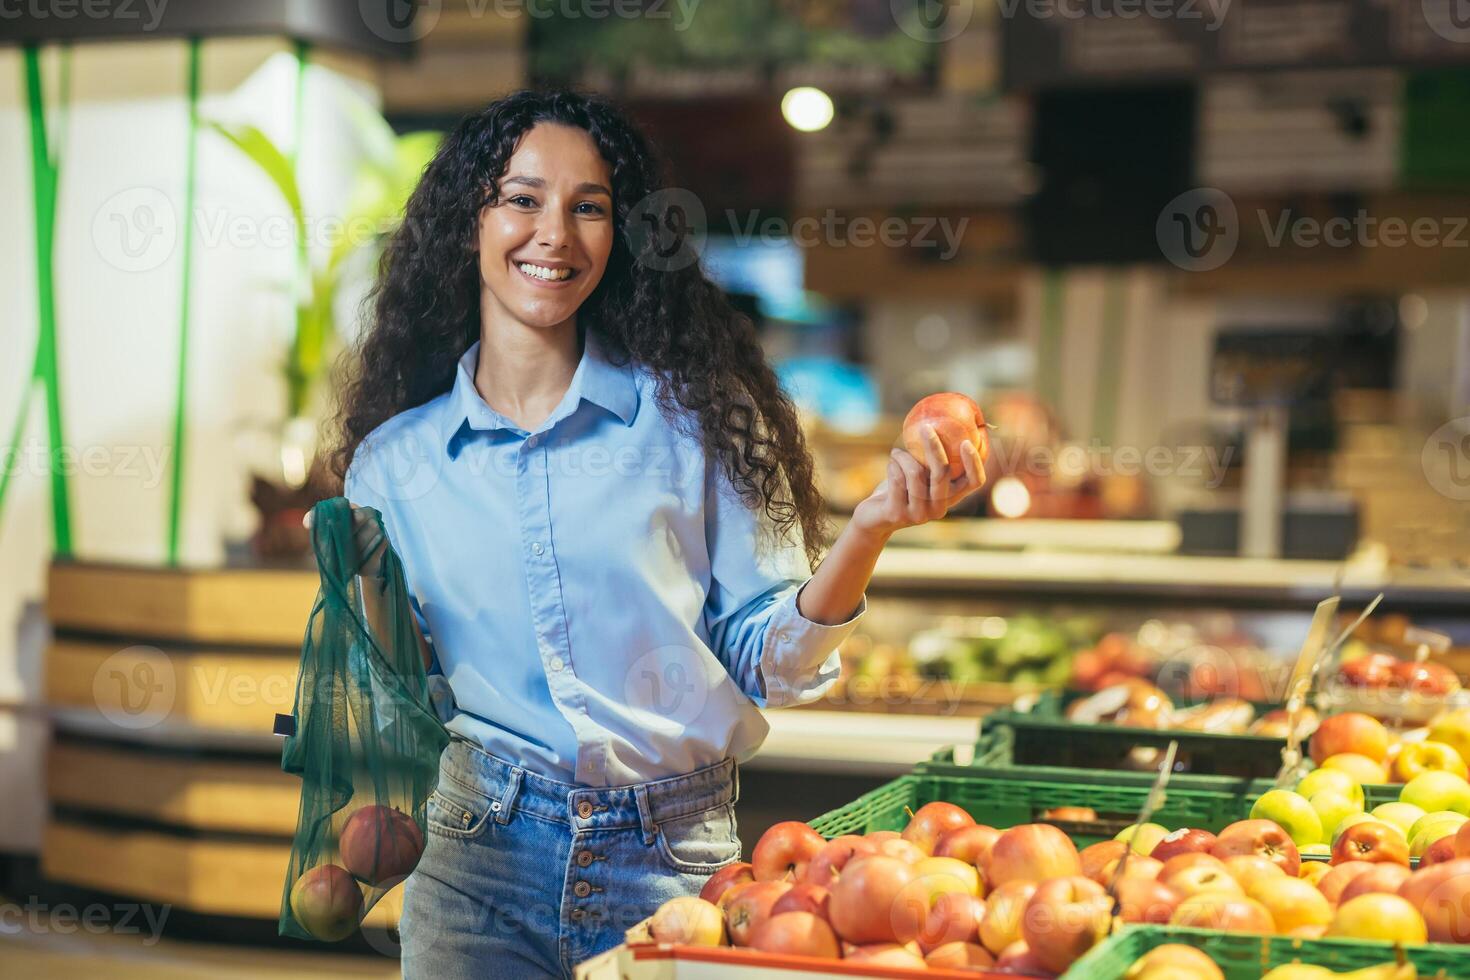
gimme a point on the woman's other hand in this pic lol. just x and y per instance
(370, 543)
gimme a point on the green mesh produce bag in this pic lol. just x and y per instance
(363, 736)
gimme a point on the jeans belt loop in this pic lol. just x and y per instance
(734, 781)
(508, 798)
(645, 813)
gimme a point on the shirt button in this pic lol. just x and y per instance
(584, 809)
(537, 548)
(556, 663)
(531, 442)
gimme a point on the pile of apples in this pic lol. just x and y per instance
(1136, 703)
(1362, 746)
(1383, 671)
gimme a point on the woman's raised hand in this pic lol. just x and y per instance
(914, 492)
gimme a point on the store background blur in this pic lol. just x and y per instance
(1205, 266)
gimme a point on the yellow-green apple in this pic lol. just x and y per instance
(326, 901)
(938, 875)
(1174, 961)
(1436, 790)
(1146, 900)
(1182, 841)
(783, 851)
(1453, 729)
(1442, 895)
(1032, 852)
(1292, 812)
(1263, 837)
(1432, 827)
(1399, 814)
(1230, 911)
(796, 934)
(1143, 838)
(1422, 757)
(803, 897)
(1314, 871)
(1317, 850)
(1385, 878)
(1351, 731)
(724, 879)
(1365, 771)
(953, 918)
(1372, 841)
(1064, 919)
(932, 821)
(1332, 807)
(959, 956)
(748, 905)
(872, 901)
(688, 921)
(1292, 903)
(1341, 875)
(1003, 908)
(1387, 918)
(1318, 780)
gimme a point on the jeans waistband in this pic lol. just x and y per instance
(512, 788)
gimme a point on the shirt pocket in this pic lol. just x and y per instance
(455, 810)
(699, 843)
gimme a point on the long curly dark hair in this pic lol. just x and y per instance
(426, 312)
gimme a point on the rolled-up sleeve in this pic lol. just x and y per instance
(775, 655)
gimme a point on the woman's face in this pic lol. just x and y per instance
(544, 245)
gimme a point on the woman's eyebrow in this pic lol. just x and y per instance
(586, 187)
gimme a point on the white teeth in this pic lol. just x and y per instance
(541, 272)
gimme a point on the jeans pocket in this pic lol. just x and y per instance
(699, 843)
(455, 810)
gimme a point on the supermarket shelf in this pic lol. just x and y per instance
(1166, 578)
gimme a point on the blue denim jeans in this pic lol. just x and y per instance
(524, 877)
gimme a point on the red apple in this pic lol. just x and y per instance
(1094, 858)
(1371, 841)
(1427, 679)
(803, 897)
(878, 836)
(1462, 841)
(1017, 958)
(1032, 852)
(953, 918)
(747, 906)
(717, 884)
(959, 956)
(1199, 878)
(956, 418)
(1384, 878)
(1146, 900)
(827, 863)
(1262, 837)
(1179, 862)
(1003, 909)
(380, 845)
(932, 821)
(1184, 841)
(1335, 882)
(970, 844)
(1064, 919)
(327, 902)
(1439, 852)
(783, 851)
(903, 850)
(1222, 910)
(796, 934)
(1352, 732)
(1369, 670)
(1442, 895)
(688, 921)
(871, 901)
(1136, 866)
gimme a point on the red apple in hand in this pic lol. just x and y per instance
(932, 821)
(748, 905)
(1033, 852)
(1064, 919)
(956, 419)
(723, 880)
(783, 851)
(380, 845)
(871, 901)
(326, 901)
(1371, 841)
(1262, 837)
(797, 934)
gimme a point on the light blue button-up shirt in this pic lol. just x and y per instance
(603, 606)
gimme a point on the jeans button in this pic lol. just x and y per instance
(581, 889)
(584, 858)
(584, 809)
(577, 914)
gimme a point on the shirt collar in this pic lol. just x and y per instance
(597, 380)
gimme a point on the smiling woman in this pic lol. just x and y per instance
(607, 624)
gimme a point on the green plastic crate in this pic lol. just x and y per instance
(1007, 797)
(1244, 956)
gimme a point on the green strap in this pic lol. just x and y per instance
(1049, 344)
(181, 382)
(1109, 360)
(45, 170)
